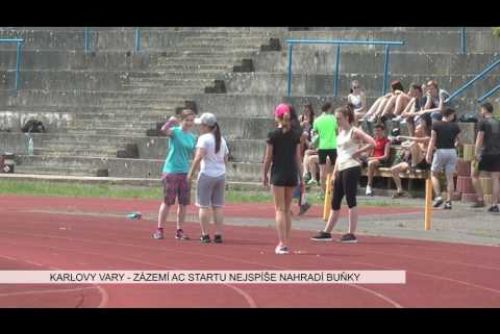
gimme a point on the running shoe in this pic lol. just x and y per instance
(437, 202)
(205, 239)
(348, 238)
(180, 235)
(303, 208)
(447, 205)
(494, 208)
(281, 250)
(158, 234)
(218, 239)
(322, 236)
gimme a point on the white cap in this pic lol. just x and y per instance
(206, 118)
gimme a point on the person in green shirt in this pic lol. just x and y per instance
(174, 176)
(326, 127)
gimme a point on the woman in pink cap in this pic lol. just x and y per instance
(284, 158)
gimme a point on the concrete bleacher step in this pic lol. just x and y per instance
(445, 41)
(189, 74)
(59, 151)
(62, 171)
(146, 168)
(202, 68)
(82, 98)
(101, 130)
(312, 60)
(159, 83)
(115, 90)
(308, 84)
(167, 89)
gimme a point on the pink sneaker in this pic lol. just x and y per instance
(158, 235)
(179, 235)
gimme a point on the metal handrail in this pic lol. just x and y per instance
(137, 40)
(488, 94)
(463, 41)
(86, 39)
(468, 84)
(19, 44)
(387, 44)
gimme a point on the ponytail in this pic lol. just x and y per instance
(350, 113)
(347, 112)
(217, 135)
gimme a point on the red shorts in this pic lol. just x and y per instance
(176, 186)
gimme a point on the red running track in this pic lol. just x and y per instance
(438, 274)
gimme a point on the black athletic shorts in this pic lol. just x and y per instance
(490, 163)
(322, 154)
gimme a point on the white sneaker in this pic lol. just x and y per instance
(369, 191)
(281, 250)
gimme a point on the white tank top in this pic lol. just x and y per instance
(355, 100)
(346, 146)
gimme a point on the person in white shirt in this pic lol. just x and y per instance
(358, 99)
(212, 153)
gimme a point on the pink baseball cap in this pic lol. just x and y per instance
(281, 109)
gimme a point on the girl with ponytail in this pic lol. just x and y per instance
(212, 154)
(283, 157)
(351, 143)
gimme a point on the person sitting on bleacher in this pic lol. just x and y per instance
(385, 103)
(435, 101)
(358, 99)
(412, 155)
(379, 156)
(415, 104)
(398, 105)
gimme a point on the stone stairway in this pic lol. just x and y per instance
(96, 103)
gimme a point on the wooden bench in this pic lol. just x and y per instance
(410, 174)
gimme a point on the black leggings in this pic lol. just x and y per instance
(346, 183)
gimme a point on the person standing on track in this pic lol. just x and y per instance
(212, 153)
(326, 127)
(487, 153)
(346, 173)
(283, 156)
(444, 138)
(175, 169)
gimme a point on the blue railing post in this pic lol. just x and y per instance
(19, 44)
(386, 70)
(137, 40)
(290, 50)
(86, 39)
(338, 42)
(336, 77)
(18, 62)
(463, 40)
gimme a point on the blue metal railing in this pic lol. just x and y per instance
(19, 45)
(86, 39)
(468, 84)
(488, 94)
(463, 41)
(387, 44)
(137, 40)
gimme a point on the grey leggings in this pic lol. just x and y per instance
(210, 191)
